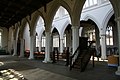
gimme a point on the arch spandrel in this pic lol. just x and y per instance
(76, 13)
(34, 19)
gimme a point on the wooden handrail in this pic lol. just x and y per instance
(75, 52)
(71, 57)
(90, 43)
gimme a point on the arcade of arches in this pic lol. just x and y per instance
(61, 25)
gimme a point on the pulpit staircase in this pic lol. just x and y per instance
(81, 57)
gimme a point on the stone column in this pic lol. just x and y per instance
(9, 46)
(75, 38)
(68, 39)
(61, 45)
(47, 48)
(97, 40)
(103, 47)
(115, 36)
(31, 47)
(22, 48)
(118, 26)
(15, 48)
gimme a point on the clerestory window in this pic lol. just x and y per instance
(90, 3)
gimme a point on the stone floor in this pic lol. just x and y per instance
(37, 70)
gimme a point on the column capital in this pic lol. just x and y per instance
(48, 32)
(75, 27)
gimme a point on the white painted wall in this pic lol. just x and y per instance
(97, 13)
(59, 23)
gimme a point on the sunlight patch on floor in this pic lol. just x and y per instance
(98, 59)
(11, 74)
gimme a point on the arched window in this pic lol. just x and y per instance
(109, 35)
(56, 41)
(37, 40)
(64, 40)
(43, 43)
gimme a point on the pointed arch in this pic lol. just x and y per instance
(107, 18)
(93, 19)
(65, 26)
(35, 17)
(115, 4)
(77, 9)
(40, 33)
(23, 23)
(55, 7)
(16, 32)
(40, 26)
(54, 27)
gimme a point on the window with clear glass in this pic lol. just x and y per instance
(64, 41)
(109, 35)
(43, 41)
(37, 41)
(55, 41)
(89, 3)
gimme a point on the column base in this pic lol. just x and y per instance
(118, 71)
(14, 54)
(21, 56)
(44, 61)
(47, 61)
(103, 57)
(30, 58)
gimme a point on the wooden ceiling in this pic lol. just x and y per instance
(12, 11)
